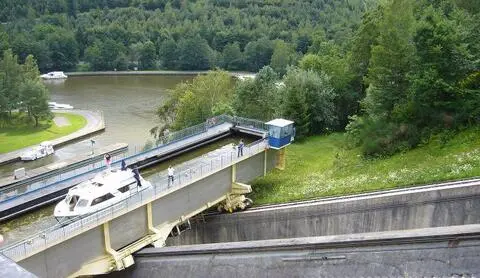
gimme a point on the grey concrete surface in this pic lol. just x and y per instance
(9, 268)
(128, 228)
(67, 257)
(431, 252)
(407, 209)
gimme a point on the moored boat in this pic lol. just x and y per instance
(54, 75)
(105, 189)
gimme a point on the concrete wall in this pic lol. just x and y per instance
(410, 210)
(67, 257)
(192, 197)
(414, 253)
(128, 228)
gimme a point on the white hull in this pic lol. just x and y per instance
(91, 195)
(54, 75)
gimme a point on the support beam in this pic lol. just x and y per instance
(281, 159)
(265, 162)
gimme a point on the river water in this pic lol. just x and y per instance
(128, 104)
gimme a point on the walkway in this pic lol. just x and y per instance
(95, 123)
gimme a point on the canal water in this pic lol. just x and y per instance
(128, 104)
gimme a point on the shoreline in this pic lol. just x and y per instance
(153, 72)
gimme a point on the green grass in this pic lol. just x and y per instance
(321, 166)
(13, 138)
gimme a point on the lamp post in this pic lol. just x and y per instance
(93, 143)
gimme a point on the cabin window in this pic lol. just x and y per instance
(125, 188)
(102, 199)
(82, 203)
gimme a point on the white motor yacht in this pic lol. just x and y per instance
(45, 148)
(54, 75)
(54, 105)
(105, 189)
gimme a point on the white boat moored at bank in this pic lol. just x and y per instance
(54, 105)
(54, 75)
(45, 148)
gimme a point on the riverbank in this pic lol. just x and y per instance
(14, 138)
(321, 166)
(153, 72)
(74, 125)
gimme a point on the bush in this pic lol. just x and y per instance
(378, 138)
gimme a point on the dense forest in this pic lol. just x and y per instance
(95, 35)
(392, 73)
(401, 79)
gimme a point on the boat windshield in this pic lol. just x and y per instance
(72, 201)
(82, 203)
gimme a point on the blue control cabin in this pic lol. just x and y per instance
(280, 133)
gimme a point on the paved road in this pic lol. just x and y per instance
(95, 122)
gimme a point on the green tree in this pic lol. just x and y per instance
(233, 57)
(309, 100)
(148, 55)
(258, 54)
(10, 80)
(283, 56)
(193, 102)
(258, 98)
(391, 61)
(35, 99)
(194, 54)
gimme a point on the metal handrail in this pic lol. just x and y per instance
(56, 234)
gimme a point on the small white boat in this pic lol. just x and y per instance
(105, 189)
(45, 148)
(54, 105)
(54, 75)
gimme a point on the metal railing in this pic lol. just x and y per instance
(58, 233)
(76, 175)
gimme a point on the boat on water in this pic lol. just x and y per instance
(45, 148)
(105, 189)
(54, 75)
(54, 105)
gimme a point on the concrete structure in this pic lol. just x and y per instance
(46, 191)
(432, 252)
(95, 123)
(8, 268)
(456, 203)
(104, 241)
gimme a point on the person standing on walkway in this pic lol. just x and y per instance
(240, 148)
(171, 177)
(108, 160)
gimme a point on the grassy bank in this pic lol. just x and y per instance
(320, 166)
(13, 138)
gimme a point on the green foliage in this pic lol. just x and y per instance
(258, 98)
(282, 57)
(320, 167)
(166, 23)
(309, 101)
(193, 102)
(21, 89)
